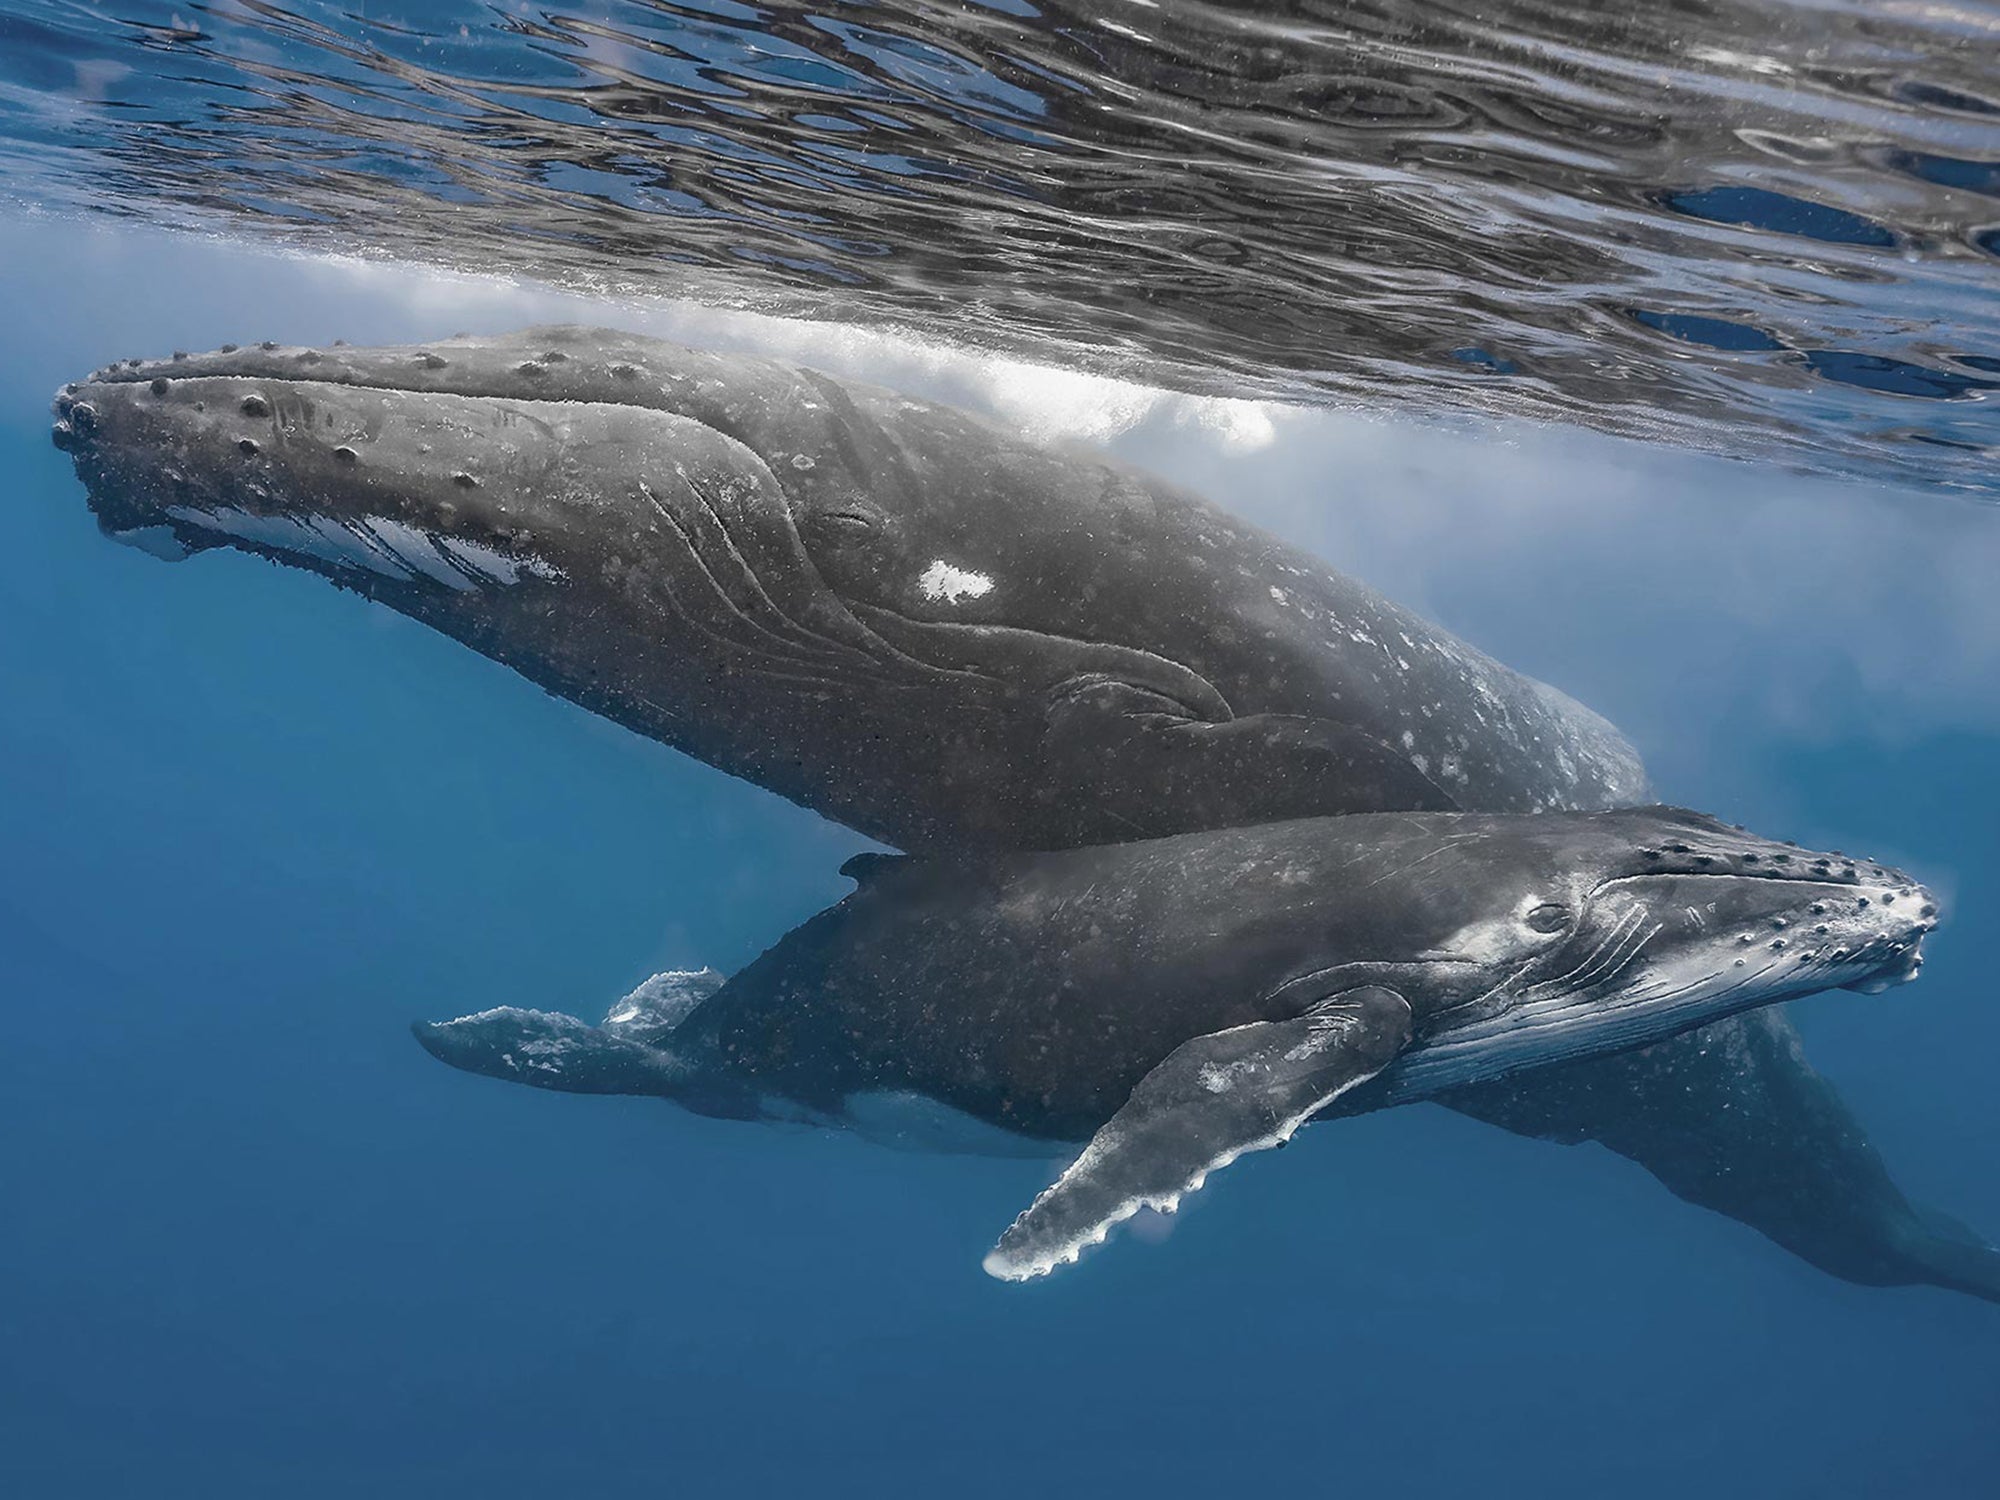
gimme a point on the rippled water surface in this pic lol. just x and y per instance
(1763, 228)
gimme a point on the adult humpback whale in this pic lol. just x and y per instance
(947, 638)
(880, 608)
(1180, 1001)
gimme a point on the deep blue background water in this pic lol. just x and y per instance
(257, 1243)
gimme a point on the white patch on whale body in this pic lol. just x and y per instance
(480, 562)
(497, 566)
(1220, 1078)
(546, 1054)
(1495, 943)
(355, 549)
(376, 544)
(414, 550)
(943, 581)
(658, 1005)
(327, 541)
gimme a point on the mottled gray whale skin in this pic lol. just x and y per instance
(909, 621)
(1177, 1002)
(881, 608)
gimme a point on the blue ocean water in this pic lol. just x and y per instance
(258, 1243)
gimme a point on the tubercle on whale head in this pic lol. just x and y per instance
(571, 454)
(625, 539)
(1567, 935)
(846, 482)
(1768, 916)
(387, 486)
(334, 477)
(555, 364)
(458, 427)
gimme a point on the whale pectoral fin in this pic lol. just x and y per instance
(1141, 752)
(1735, 1118)
(548, 1050)
(1212, 1100)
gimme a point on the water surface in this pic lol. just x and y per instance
(1763, 227)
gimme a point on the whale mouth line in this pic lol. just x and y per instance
(1604, 964)
(390, 550)
(1878, 931)
(1625, 1001)
(1854, 873)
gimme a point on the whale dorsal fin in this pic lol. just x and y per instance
(1213, 1099)
(868, 866)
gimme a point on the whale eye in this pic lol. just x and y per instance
(1548, 917)
(846, 522)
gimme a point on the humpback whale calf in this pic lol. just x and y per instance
(949, 639)
(1178, 1002)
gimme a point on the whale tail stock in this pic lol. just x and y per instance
(1953, 1256)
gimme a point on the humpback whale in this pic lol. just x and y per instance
(949, 639)
(877, 607)
(1178, 1002)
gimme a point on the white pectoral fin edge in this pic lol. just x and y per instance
(1213, 1099)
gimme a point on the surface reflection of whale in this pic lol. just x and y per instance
(1178, 1002)
(902, 618)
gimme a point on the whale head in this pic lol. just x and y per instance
(622, 554)
(367, 488)
(349, 463)
(625, 520)
(1561, 936)
(585, 442)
